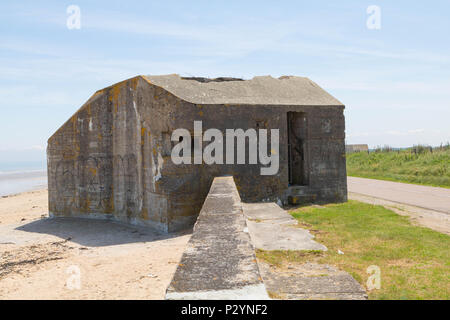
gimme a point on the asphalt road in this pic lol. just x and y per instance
(432, 198)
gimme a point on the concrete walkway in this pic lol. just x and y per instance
(431, 198)
(272, 228)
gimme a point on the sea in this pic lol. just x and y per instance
(17, 177)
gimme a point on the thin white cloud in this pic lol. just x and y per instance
(416, 131)
(38, 147)
(387, 132)
(23, 148)
(231, 38)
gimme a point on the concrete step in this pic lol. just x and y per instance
(299, 190)
(301, 199)
(300, 195)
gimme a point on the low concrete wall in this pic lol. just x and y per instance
(219, 261)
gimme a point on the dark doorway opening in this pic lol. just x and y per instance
(297, 127)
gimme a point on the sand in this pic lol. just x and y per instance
(42, 258)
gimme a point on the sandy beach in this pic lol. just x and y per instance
(42, 258)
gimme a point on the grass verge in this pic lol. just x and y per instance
(426, 168)
(414, 261)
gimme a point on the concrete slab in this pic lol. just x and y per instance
(268, 212)
(311, 281)
(273, 236)
(272, 228)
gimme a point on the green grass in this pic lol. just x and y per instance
(423, 167)
(414, 261)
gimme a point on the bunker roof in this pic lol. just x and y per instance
(261, 90)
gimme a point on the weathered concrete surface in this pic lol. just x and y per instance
(432, 198)
(267, 212)
(311, 281)
(111, 159)
(219, 261)
(272, 228)
(286, 90)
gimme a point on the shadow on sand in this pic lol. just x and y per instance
(96, 233)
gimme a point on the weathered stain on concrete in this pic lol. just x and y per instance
(219, 261)
(111, 159)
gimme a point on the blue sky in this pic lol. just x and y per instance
(395, 82)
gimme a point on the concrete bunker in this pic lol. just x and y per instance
(112, 158)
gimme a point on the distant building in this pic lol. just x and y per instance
(112, 158)
(350, 148)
